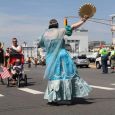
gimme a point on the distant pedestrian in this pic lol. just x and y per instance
(112, 58)
(104, 59)
(29, 62)
(35, 62)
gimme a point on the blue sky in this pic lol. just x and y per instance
(27, 19)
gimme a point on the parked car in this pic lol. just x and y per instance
(92, 57)
(81, 61)
(98, 61)
(73, 55)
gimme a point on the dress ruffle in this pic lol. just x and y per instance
(66, 89)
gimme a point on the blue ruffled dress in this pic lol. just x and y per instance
(64, 82)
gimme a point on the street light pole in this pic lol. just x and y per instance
(113, 28)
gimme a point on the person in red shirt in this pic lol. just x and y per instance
(15, 52)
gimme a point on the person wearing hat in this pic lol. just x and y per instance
(64, 82)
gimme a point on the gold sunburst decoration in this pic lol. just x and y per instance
(87, 9)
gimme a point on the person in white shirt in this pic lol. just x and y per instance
(15, 51)
(15, 48)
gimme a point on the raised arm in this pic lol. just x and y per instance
(78, 24)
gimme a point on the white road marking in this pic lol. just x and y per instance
(100, 87)
(1, 95)
(31, 91)
(113, 84)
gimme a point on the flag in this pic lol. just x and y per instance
(5, 74)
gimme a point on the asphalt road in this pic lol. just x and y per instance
(29, 100)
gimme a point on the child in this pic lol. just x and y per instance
(16, 69)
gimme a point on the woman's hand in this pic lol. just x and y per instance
(78, 24)
(86, 17)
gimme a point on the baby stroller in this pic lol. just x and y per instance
(16, 68)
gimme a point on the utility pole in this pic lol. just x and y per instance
(113, 28)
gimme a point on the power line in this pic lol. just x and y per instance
(102, 23)
(94, 20)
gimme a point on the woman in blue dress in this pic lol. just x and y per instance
(64, 82)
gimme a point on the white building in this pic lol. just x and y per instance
(78, 41)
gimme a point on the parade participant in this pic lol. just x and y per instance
(15, 54)
(1, 55)
(64, 82)
(112, 58)
(104, 58)
(29, 62)
(15, 48)
(15, 51)
(1, 60)
(35, 62)
(6, 57)
(18, 67)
